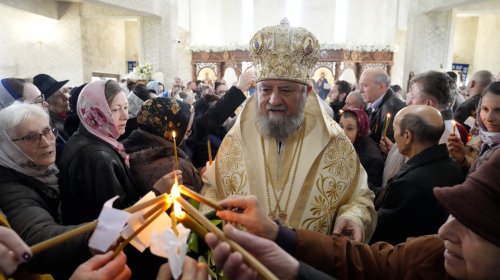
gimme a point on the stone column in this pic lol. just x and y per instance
(160, 41)
(428, 41)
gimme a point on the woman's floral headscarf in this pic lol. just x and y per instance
(161, 116)
(95, 115)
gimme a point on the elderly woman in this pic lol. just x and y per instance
(15, 89)
(29, 194)
(355, 124)
(94, 165)
(151, 146)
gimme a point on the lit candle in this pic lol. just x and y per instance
(249, 259)
(190, 223)
(180, 216)
(149, 217)
(454, 126)
(387, 119)
(174, 193)
(196, 196)
(68, 235)
(209, 152)
(176, 162)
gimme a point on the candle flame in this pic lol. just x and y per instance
(341, 111)
(175, 193)
(388, 115)
(173, 134)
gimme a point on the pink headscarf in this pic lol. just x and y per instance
(363, 123)
(95, 115)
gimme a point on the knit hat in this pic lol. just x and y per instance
(476, 202)
(47, 85)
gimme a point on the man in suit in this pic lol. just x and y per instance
(375, 88)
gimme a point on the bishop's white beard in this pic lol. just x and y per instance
(279, 127)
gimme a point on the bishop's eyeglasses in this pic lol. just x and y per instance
(35, 138)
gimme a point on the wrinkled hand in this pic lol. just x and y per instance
(246, 79)
(103, 267)
(385, 145)
(252, 217)
(191, 270)
(350, 229)
(267, 252)
(13, 251)
(456, 148)
(165, 183)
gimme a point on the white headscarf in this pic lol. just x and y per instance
(11, 156)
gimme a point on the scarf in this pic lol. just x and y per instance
(95, 115)
(363, 123)
(162, 115)
(489, 138)
(11, 156)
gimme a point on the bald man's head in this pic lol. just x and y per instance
(354, 100)
(424, 122)
(374, 83)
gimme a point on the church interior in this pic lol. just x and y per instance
(196, 39)
(249, 139)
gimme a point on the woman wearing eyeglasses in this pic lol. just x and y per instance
(29, 194)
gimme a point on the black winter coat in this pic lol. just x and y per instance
(92, 172)
(210, 122)
(32, 210)
(407, 207)
(390, 104)
(372, 160)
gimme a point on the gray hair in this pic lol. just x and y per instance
(483, 78)
(285, 126)
(13, 115)
(381, 77)
(358, 97)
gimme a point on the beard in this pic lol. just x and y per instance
(282, 126)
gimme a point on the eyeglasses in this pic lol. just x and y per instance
(39, 100)
(221, 92)
(35, 138)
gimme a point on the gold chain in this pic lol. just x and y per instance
(282, 179)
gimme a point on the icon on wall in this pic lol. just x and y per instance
(464, 68)
(131, 64)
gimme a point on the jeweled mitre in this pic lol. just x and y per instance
(284, 52)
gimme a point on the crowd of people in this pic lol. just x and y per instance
(342, 181)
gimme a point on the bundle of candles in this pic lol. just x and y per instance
(182, 212)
